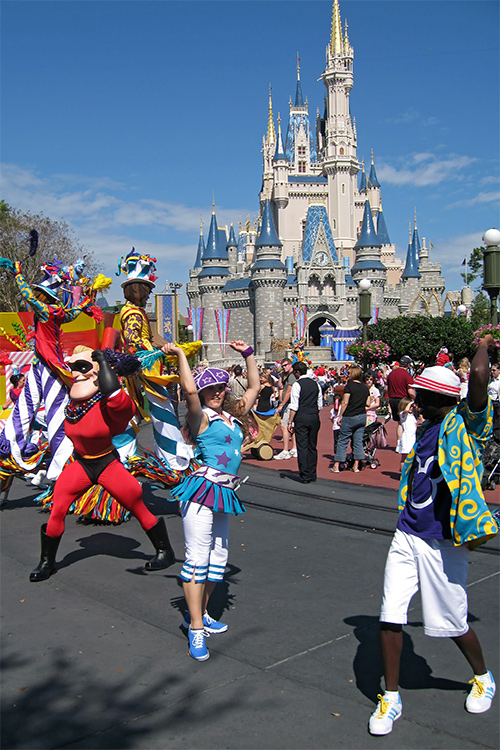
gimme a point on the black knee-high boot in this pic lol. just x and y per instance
(47, 565)
(165, 555)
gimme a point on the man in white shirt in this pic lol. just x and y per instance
(494, 385)
(306, 401)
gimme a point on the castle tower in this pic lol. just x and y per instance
(269, 277)
(368, 264)
(211, 279)
(192, 287)
(232, 251)
(280, 168)
(340, 163)
(268, 150)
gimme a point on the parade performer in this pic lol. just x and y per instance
(98, 410)
(443, 514)
(137, 336)
(48, 377)
(207, 496)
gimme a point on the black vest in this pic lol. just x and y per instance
(308, 398)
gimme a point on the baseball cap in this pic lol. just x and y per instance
(405, 361)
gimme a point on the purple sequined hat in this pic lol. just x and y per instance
(210, 376)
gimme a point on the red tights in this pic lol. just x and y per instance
(115, 478)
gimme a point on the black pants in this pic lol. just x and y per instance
(306, 437)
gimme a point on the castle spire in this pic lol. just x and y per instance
(373, 179)
(271, 133)
(280, 151)
(299, 99)
(336, 35)
(201, 246)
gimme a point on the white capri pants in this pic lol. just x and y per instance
(440, 569)
(206, 537)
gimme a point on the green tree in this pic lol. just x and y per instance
(56, 240)
(480, 313)
(474, 268)
(421, 338)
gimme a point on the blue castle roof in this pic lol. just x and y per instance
(267, 234)
(368, 236)
(373, 179)
(232, 239)
(362, 182)
(200, 251)
(216, 242)
(317, 218)
(412, 258)
(213, 271)
(382, 233)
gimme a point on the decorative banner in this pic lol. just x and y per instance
(222, 320)
(166, 316)
(300, 317)
(374, 315)
(195, 317)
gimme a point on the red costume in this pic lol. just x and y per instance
(96, 461)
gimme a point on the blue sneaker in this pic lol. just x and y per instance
(385, 715)
(480, 697)
(210, 625)
(197, 647)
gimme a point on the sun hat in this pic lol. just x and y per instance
(211, 376)
(438, 379)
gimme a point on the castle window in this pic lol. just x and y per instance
(341, 152)
(302, 166)
(343, 188)
(301, 150)
(335, 223)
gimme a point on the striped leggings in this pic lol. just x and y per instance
(206, 536)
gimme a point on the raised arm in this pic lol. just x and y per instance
(477, 395)
(196, 418)
(247, 401)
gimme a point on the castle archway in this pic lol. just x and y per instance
(314, 326)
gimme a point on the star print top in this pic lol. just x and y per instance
(219, 447)
(427, 510)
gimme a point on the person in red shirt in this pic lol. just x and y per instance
(399, 385)
(98, 410)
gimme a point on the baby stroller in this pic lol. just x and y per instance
(491, 463)
(375, 437)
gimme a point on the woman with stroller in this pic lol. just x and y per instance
(352, 419)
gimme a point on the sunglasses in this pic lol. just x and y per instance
(81, 365)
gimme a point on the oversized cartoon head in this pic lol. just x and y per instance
(84, 371)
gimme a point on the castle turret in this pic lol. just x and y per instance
(368, 264)
(211, 279)
(232, 251)
(373, 189)
(281, 168)
(269, 277)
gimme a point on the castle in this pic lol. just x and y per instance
(321, 230)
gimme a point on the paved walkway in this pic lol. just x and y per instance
(386, 475)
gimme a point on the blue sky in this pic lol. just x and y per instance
(123, 118)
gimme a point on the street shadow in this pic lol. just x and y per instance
(83, 706)
(104, 543)
(415, 673)
(221, 600)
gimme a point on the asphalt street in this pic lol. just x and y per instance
(95, 657)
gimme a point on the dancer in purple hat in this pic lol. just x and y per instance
(207, 496)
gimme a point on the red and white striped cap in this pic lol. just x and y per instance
(438, 379)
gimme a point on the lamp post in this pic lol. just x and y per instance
(365, 306)
(491, 269)
(462, 310)
(174, 288)
(189, 331)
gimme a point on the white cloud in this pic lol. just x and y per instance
(430, 170)
(493, 197)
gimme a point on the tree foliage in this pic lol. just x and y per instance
(421, 338)
(56, 240)
(474, 267)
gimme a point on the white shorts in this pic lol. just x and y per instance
(440, 570)
(206, 537)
